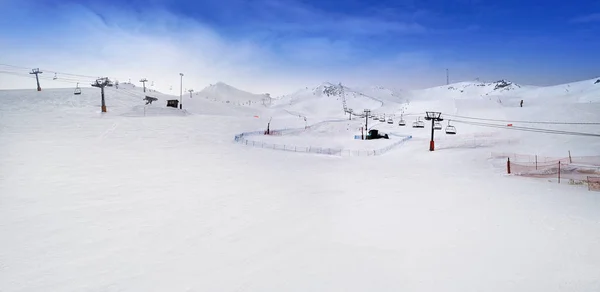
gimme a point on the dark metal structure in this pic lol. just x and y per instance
(172, 103)
(150, 99)
(374, 134)
(101, 83)
(181, 91)
(268, 131)
(144, 80)
(433, 117)
(367, 114)
(37, 71)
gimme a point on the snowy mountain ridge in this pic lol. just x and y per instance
(226, 93)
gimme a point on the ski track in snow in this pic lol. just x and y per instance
(123, 202)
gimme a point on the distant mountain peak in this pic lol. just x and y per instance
(500, 85)
(221, 91)
(328, 89)
(221, 84)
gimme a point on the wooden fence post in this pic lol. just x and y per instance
(508, 165)
(536, 162)
(570, 159)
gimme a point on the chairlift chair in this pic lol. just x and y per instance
(55, 77)
(450, 130)
(402, 122)
(77, 90)
(437, 126)
(419, 124)
(381, 119)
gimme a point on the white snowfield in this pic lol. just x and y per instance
(150, 198)
(229, 94)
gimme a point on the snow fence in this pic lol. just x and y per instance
(243, 139)
(573, 169)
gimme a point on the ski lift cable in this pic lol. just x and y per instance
(23, 74)
(131, 92)
(40, 77)
(49, 78)
(53, 71)
(41, 69)
(539, 130)
(528, 129)
(13, 66)
(525, 122)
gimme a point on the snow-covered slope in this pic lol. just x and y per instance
(164, 201)
(468, 90)
(327, 100)
(510, 93)
(382, 93)
(489, 103)
(222, 92)
(587, 91)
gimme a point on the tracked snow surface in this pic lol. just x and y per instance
(151, 198)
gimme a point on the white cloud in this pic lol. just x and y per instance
(158, 46)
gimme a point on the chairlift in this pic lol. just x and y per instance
(450, 130)
(401, 122)
(390, 121)
(55, 77)
(418, 124)
(77, 90)
(437, 126)
(382, 119)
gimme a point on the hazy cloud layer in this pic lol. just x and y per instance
(266, 46)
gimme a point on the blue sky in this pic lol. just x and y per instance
(278, 46)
